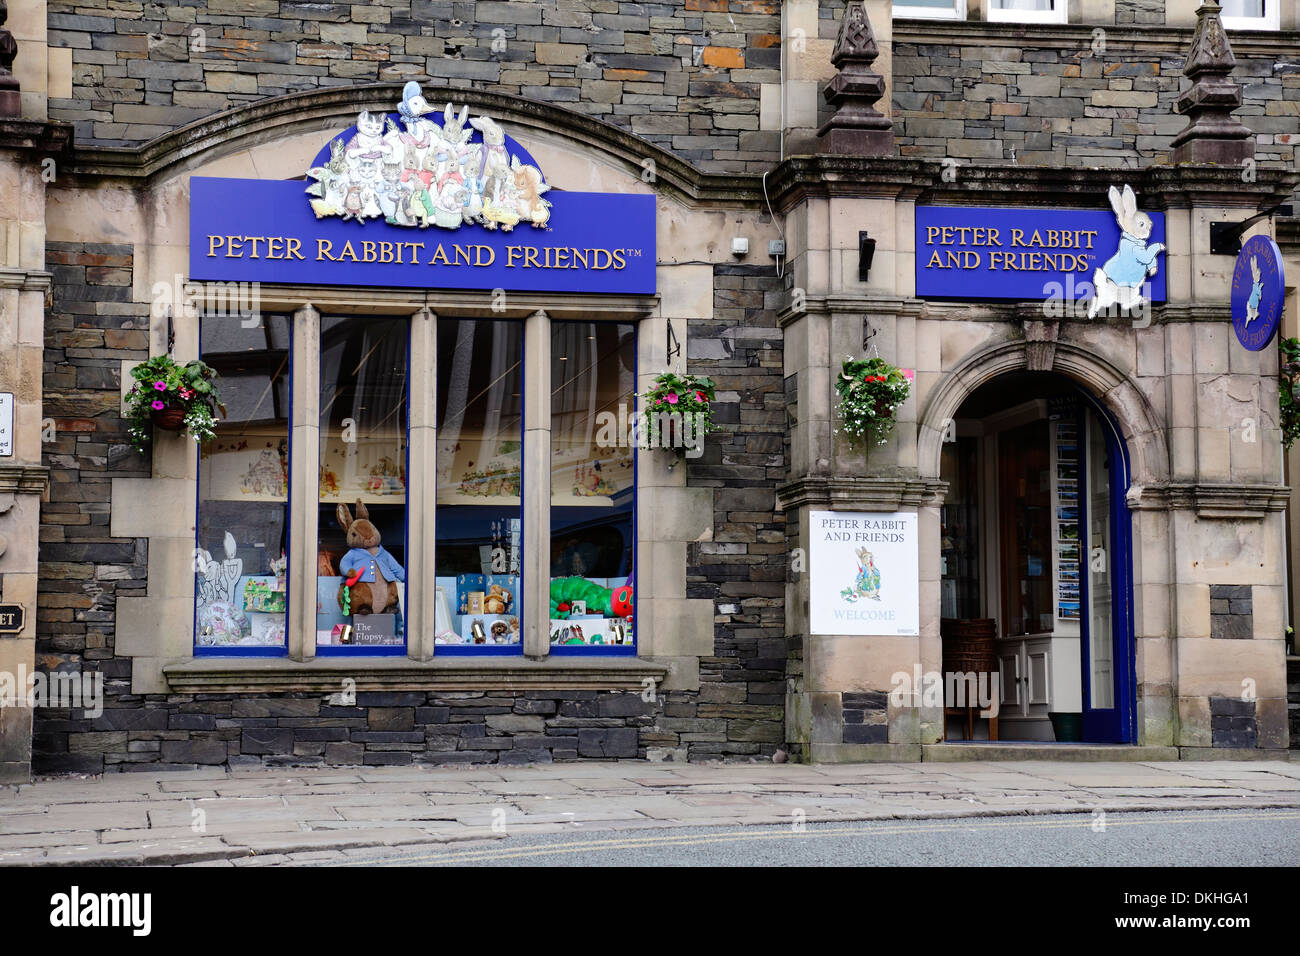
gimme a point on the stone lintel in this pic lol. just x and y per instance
(1211, 499)
(34, 136)
(23, 479)
(860, 494)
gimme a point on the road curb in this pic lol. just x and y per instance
(174, 857)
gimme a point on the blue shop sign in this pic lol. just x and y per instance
(399, 200)
(1258, 288)
(981, 252)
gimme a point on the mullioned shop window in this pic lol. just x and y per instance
(361, 527)
(593, 507)
(243, 501)
(479, 487)
(479, 512)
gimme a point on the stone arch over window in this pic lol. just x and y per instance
(609, 155)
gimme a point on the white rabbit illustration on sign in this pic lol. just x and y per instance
(1119, 281)
(1256, 291)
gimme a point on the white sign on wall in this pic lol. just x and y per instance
(6, 424)
(865, 571)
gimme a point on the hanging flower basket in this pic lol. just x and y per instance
(169, 419)
(676, 413)
(870, 392)
(174, 398)
(1288, 390)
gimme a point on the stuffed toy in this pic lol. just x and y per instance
(370, 572)
(497, 600)
(610, 602)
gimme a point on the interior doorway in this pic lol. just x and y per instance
(1036, 561)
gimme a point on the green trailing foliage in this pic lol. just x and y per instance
(870, 392)
(161, 385)
(1288, 390)
(684, 395)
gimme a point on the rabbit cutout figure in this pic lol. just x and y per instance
(1256, 291)
(1119, 281)
(372, 571)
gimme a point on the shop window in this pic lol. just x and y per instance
(1250, 15)
(593, 465)
(361, 527)
(940, 9)
(243, 501)
(479, 515)
(1028, 11)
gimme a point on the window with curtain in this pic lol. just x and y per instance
(946, 9)
(593, 494)
(1041, 11)
(479, 512)
(361, 526)
(241, 547)
(1250, 14)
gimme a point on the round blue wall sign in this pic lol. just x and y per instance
(1258, 288)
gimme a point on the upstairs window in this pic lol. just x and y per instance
(1250, 15)
(1027, 11)
(935, 9)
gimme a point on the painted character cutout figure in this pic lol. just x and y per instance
(1256, 291)
(1119, 281)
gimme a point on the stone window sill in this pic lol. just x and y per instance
(215, 675)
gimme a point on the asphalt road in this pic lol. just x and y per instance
(1176, 838)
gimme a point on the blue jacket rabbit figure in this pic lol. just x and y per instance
(1132, 262)
(1120, 281)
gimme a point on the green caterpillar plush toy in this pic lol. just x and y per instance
(611, 602)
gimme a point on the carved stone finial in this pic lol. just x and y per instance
(857, 127)
(1213, 134)
(11, 103)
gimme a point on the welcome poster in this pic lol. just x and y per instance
(865, 569)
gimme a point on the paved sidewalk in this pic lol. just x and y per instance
(250, 815)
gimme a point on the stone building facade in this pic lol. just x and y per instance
(717, 109)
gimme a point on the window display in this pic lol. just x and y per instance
(479, 497)
(593, 390)
(242, 530)
(361, 577)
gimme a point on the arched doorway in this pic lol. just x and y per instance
(1035, 544)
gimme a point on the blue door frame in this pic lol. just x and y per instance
(1116, 724)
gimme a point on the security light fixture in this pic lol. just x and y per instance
(740, 246)
(866, 252)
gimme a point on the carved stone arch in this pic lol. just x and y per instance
(1139, 424)
(328, 111)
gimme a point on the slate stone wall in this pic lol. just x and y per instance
(742, 570)
(91, 328)
(1232, 614)
(684, 74)
(180, 732)
(1044, 105)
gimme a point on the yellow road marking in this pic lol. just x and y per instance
(685, 840)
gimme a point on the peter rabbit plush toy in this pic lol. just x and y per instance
(370, 573)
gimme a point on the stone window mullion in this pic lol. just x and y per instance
(421, 488)
(304, 482)
(535, 562)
